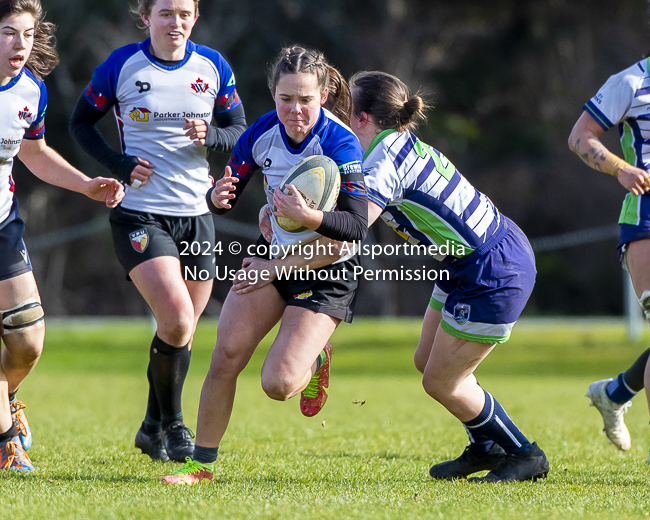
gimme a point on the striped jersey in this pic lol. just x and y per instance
(264, 145)
(424, 197)
(151, 102)
(22, 111)
(624, 100)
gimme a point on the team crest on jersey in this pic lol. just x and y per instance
(140, 114)
(199, 86)
(461, 313)
(139, 240)
(24, 113)
(303, 295)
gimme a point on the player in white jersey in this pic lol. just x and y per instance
(173, 101)
(624, 100)
(23, 100)
(491, 266)
(302, 83)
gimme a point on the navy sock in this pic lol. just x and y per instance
(478, 442)
(9, 434)
(634, 375)
(169, 366)
(205, 455)
(493, 423)
(618, 391)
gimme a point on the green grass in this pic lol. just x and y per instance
(87, 397)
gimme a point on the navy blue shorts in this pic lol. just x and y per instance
(487, 291)
(634, 222)
(14, 259)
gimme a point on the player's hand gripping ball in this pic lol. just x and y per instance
(318, 180)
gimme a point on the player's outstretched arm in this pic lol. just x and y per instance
(585, 143)
(50, 167)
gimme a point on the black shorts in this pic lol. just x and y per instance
(139, 236)
(14, 259)
(330, 290)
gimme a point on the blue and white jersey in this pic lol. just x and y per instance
(151, 102)
(264, 145)
(22, 112)
(425, 198)
(624, 100)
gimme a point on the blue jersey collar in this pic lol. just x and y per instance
(322, 121)
(13, 81)
(189, 49)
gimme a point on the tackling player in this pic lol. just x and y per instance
(165, 92)
(27, 54)
(311, 98)
(422, 196)
(624, 101)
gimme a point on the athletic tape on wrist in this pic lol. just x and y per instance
(612, 164)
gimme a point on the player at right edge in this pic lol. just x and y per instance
(624, 101)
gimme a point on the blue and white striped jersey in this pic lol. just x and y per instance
(151, 102)
(23, 102)
(424, 197)
(624, 100)
(264, 145)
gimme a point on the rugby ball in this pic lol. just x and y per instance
(318, 180)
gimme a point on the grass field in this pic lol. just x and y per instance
(87, 397)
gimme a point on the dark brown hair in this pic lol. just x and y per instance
(300, 60)
(43, 57)
(388, 100)
(146, 6)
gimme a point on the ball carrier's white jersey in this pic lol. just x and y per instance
(151, 102)
(22, 111)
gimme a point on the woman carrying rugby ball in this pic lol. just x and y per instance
(311, 100)
(27, 55)
(165, 92)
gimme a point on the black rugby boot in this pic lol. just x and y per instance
(151, 444)
(518, 467)
(469, 462)
(178, 442)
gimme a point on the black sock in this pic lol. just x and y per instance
(634, 375)
(152, 418)
(9, 434)
(169, 366)
(12, 396)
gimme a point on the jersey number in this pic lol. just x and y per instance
(443, 166)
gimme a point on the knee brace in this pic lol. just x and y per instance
(645, 303)
(23, 315)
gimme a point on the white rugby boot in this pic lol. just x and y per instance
(612, 413)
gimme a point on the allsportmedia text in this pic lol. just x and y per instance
(309, 250)
(305, 273)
